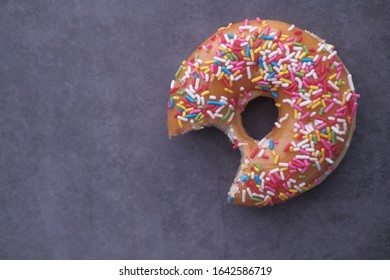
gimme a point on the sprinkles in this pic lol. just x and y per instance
(309, 80)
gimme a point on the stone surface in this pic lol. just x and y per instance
(87, 171)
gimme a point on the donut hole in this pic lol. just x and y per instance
(259, 117)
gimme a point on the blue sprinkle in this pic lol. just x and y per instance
(261, 62)
(217, 62)
(230, 35)
(222, 53)
(257, 179)
(271, 144)
(214, 103)
(224, 69)
(273, 63)
(180, 109)
(190, 116)
(196, 76)
(247, 50)
(231, 199)
(324, 130)
(274, 94)
(244, 178)
(171, 103)
(190, 99)
(268, 37)
(307, 60)
(265, 88)
(271, 75)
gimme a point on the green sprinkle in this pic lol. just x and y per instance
(321, 111)
(329, 93)
(196, 57)
(258, 166)
(260, 36)
(332, 67)
(270, 68)
(340, 82)
(256, 199)
(181, 92)
(226, 115)
(297, 44)
(299, 74)
(253, 38)
(315, 139)
(198, 116)
(306, 50)
(333, 138)
(301, 90)
(302, 176)
(178, 71)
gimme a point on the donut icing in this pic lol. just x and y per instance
(310, 85)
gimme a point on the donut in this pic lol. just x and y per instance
(312, 90)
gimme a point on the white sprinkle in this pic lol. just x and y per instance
(332, 54)
(261, 153)
(317, 91)
(172, 84)
(238, 77)
(329, 160)
(248, 71)
(291, 27)
(219, 59)
(316, 57)
(262, 175)
(249, 192)
(204, 48)
(270, 193)
(254, 28)
(284, 118)
(333, 85)
(299, 82)
(245, 27)
(242, 88)
(304, 103)
(302, 184)
(277, 125)
(213, 97)
(182, 118)
(231, 117)
(218, 115)
(348, 96)
(350, 83)
(297, 188)
(197, 81)
(243, 196)
(284, 164)
(340, 138)
(207, 77)
(274, 170)
(210, 114)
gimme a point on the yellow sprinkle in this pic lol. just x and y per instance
(254, 80)
(176, 97)
(283, 169)
(276, 160)
(326, 96)
(189, 109)
(220, 76)
(302, 55)
(256, 51)
(274, 153)
(209, 62)
(180, 124)
(181, 106)
(316, 104)
(252, 55)
(212, 78)
(295, 114)
(291, 148)
(228, 90)
(292, 190)
(242, 53)
(323, 103)
(323, 152)
(295, 136)
(285, 80)
(304, 136)
(278, 105)
(256, 169)
(185, 62)
(332, 76)
(324, 135)
(318, 135)
(314, 87)
(273, 47)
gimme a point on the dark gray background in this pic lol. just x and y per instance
(86, 168)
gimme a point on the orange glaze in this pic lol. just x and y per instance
(284, 172)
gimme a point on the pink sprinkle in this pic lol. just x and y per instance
(290, 40)
(272, 178)
(341, 109)
(354, 107)
(327, 109)
(266, 31)
(218, 52)
(246, 22)
(305, 115)
(258, 19)
(321, 126)
(325, 144)
(297, 107)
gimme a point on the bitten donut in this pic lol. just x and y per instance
(311, 87)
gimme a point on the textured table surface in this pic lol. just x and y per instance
(86, 168)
